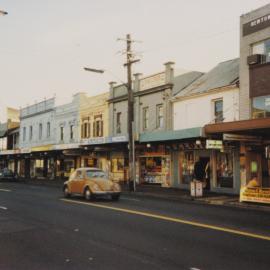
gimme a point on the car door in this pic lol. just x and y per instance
(78, 182)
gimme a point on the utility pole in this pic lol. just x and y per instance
(131, 144)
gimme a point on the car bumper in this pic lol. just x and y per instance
(105, 193)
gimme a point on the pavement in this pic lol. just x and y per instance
(174, 194)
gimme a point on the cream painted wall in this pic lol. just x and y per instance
(198, 110)
(96, 105)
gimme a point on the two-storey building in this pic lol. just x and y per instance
(212, 98)
(153, 124)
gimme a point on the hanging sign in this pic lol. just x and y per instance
(214, 144)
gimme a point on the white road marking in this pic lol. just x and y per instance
(3, 208)
(5, 190)
(194, 268)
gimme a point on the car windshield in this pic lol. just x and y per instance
(95, 174)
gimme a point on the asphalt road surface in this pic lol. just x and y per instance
(41, 230)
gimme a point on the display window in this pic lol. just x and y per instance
(225, 170)
(187, 161)
(118, 165)
(155, 170)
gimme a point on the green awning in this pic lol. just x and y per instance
(171, 135)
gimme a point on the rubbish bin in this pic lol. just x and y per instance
(196, 188)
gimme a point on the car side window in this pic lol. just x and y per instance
(79, 175)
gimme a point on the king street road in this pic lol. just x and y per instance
(39, 229)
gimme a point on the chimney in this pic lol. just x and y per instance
(169, 72)
(112, 84)
(137, 82)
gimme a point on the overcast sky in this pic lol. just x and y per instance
(44, 44)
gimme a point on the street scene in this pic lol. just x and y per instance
(42, 230)
(131, 141)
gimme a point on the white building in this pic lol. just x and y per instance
(212, 98)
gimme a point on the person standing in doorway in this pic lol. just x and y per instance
(199, 170)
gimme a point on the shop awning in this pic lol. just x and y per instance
(171, 135)
(250, 126)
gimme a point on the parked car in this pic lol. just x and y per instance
(7, 174)
(91, 183)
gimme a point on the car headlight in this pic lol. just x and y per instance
(116, 187)
(95, 187)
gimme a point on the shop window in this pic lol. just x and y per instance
(261, 107)
(186, 166)
(218, 110)
(155, 170)
(118, 165)
(145, 118)
(160, 116)
(118, 122)
(263, 48)
(224, 170)
(98, 126)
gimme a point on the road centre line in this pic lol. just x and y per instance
(177, 220)
(5, 190)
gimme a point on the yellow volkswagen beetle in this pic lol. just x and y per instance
(91, 183)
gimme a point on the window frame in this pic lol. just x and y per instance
(159, 123)
(218, 118)
(145, 118)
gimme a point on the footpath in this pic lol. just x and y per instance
(173, 194)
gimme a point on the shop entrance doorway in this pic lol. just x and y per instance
(206, 165)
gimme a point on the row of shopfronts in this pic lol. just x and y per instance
(230, 161)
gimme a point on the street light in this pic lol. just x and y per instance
(131, 128)
(2, 12)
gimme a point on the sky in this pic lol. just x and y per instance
(44, 44)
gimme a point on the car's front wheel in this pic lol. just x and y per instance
(87, 194)
(66, 192)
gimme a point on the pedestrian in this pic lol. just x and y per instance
(199, 170)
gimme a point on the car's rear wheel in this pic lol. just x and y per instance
(87, 194)
(115, 197)
(66, 192)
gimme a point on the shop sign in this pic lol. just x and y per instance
(255, 194)
(65, 146)
(237, 137)
(98, 140)
(256, 25)
(25, 150)
(10, 152)
(214, 144)
(119, 139)
(42, 148)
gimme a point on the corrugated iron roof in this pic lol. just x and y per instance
(182, 81)
(224, 74)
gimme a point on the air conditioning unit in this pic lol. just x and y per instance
(255, 59)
